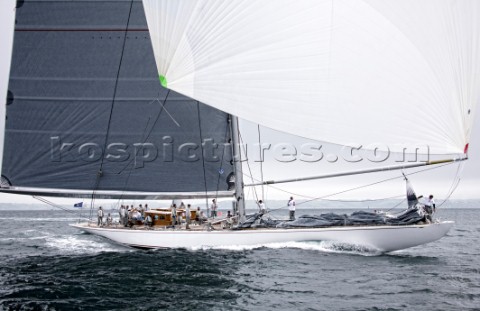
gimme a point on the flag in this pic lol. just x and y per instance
(78, 205)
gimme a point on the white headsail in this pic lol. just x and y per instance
(355, 72)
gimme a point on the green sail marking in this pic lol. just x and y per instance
(163, 81)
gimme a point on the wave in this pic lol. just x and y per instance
(26, 235)
(322, 246)
(23, 239)
(24, 219)
(68, 244)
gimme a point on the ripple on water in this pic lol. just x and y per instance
(52, 266)
(82, 244)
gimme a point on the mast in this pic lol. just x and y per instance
(237, 161)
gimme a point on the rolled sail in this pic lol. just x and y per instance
(86, 112)
(401, 74)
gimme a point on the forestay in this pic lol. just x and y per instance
(401, 74)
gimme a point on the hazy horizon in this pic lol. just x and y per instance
(251, 205)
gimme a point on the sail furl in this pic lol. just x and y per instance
(342, 71)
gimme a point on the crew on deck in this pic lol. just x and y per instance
(429, 204)
(187, 216)
(174, 214)
(100, 217)
(109, 220)
(129, 216)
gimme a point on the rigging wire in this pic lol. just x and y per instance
(451, 190)
(254, 190)
(203, 155)
(396, 205)
(43, 200)
(455, 183)
(364, 186)
(324, 197)
(222, 159)
(144, 139)
(100, 173)
(261, 160)
(330, 200)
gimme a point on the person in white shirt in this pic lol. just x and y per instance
(123, 214)
(109, 220)
(214, 208)
(136, 215)
(100, 217)
(262, 207)
(431, 203)
(291, 208)
(429, 207)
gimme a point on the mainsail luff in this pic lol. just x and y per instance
(306, 67)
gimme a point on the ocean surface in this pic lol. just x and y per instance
(47, 265)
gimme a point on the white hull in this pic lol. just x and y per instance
(381, 238)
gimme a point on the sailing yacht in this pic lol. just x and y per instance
(142, 100)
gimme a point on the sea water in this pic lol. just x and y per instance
(47, 265)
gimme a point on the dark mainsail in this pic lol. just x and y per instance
(86, 111)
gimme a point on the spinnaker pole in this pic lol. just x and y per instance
(358, 172)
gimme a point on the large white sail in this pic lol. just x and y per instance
(362, 72)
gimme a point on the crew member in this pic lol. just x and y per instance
(291, 208)
(100, 217)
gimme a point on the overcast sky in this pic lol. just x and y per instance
(436, 181)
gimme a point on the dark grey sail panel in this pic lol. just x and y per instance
(70, 61)
(412, 199)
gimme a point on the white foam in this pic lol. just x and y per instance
(80, 244)
(321, 246)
